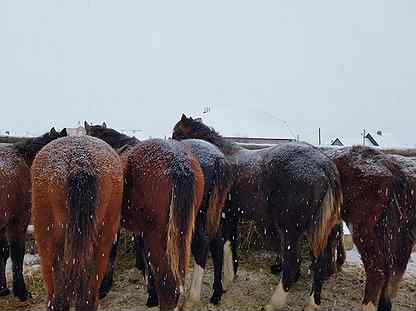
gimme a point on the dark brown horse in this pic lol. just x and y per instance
(293, 189)
(380, 210)
(208, 236)
(15, 206)
(164, 186)
(77, 191)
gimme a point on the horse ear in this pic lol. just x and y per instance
(63, 133)
(53, 131)
(184, 118)
(104, 125)
(86, 125)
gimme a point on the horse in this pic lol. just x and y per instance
(164, 186)
(77, 192)
(293, 189)
(15, 206)
(207, 236)
(380, 210)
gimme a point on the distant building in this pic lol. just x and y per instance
(337, 142)
(381, 140)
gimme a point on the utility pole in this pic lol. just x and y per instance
(320, 136)
(364, 134)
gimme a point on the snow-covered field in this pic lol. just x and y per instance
(353, 257)
(31, 264)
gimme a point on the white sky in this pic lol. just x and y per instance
(338, 65)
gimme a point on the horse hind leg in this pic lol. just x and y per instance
(291, 268)
(17, 241)
(231, 238)
(276, 268)
(4, 255)
(323, 268)
(59, 298)
(107, 283)
(152, 299)
(390, 290)
(373, 287)
(140, 256)
(384, 303)
(200, 247)
(217, 252)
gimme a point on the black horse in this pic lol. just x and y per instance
(292, 189)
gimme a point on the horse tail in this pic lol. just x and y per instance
(82, 188)
(327, 215)
(182, 214)
(218, 196)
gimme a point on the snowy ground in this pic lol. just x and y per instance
(252, 289)
(354, 258)
(31, 263)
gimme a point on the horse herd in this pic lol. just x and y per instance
(186, 195)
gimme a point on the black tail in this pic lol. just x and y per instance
(82, 188)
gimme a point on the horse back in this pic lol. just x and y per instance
(151, 167)
(282, 180)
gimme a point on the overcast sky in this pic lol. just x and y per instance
(339, 65)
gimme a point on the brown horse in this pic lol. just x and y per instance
(164, 186)
(380, 210)
(15, 206)
(293, 189)
(77, 190)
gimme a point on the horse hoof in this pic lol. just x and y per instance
(152, 302)
(4, 292)
(297, 276)
(369, 307)
(215, 300)
(311, 307)
(103, 294)
(276, 269)
(24, 296)
(269, 308)
(189, 305)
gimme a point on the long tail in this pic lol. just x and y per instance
(327, 216)
(181, 222)
(82, 188)
(218, 195)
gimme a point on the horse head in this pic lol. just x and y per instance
(188, 127)
(31, 146)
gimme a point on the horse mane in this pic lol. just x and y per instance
(205, 132)
(116, 139)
